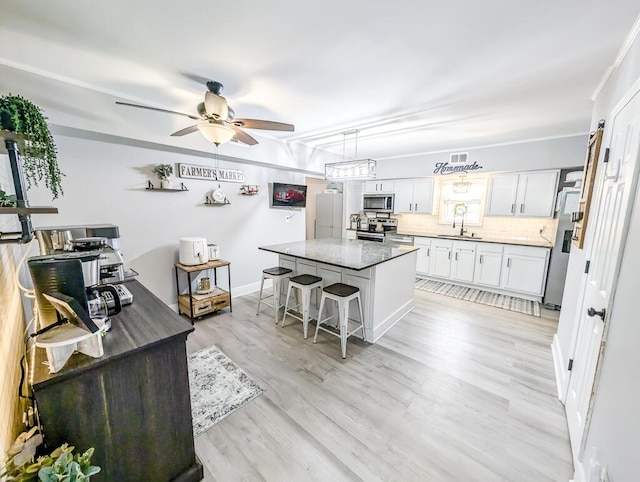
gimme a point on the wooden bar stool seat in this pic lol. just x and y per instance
(305, 283)
(276, 274)
(342, 294)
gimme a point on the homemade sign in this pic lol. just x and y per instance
(193, 171)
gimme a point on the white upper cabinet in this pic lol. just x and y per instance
(526, 194)
(414, 196)
(377, 186)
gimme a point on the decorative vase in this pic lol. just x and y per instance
(166, 183)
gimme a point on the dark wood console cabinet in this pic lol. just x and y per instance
(132, 404)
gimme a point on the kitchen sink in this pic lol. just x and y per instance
(458, 236)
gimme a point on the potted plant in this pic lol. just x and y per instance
(62, 465)
(39, 154)
(164, 171)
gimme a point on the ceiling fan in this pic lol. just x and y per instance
(220, 124)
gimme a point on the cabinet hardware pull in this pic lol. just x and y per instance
(409, 206)
(513, 209)
(416, 207)
(449, 255)
(521, 208)
(480, 259)
(456, 256)
(428, 252)
(508, 262)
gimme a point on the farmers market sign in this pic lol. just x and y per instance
(193, 171)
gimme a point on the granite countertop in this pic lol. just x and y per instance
(516, 242)
(345, 253)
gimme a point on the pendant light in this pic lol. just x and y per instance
(350, 170)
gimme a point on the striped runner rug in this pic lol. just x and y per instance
(505, 302)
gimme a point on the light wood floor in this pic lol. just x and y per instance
(456, 391)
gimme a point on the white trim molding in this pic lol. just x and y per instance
(562, 374)
(628, 42)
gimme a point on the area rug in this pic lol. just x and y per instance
(218, 388)
(505, 302)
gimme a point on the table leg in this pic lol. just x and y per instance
(190, 297)
(229, 275)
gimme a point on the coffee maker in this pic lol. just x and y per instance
(71, 280)
(102, 237)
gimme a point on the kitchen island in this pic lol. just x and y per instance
(384, 273)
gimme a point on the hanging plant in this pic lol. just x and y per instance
(39, 158)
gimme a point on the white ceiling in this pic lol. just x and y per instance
(412, 76)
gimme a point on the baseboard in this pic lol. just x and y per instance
(249, 288)
(559, 366)
(395, 317)
(578, 475)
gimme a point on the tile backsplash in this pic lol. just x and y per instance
(507, 229)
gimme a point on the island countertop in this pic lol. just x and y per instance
(345, 253)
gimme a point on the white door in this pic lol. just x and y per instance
(404, 197)
(524, 273)
(488, 267)
(502, 195)
(464, 261)
(423, 196)
(440, 260)
(537, 194)
(422, 259)
(609, 233)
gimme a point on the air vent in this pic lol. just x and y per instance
(459, 158)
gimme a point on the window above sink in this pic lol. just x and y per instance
(461, 199)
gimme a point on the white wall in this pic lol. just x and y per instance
(105, 183)
(615, 426)
(535, 155)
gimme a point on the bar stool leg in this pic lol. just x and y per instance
(322, 299)
(343, 307)
(260, 297)
(286, 305)
(361, 314)
(276, 297)
(306, 303)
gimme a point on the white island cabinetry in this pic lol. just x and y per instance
(385, 275)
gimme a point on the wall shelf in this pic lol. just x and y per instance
(30, 210)
(151, 187)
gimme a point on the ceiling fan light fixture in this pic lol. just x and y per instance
(216, 133)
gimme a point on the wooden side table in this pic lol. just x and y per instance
(194, 304)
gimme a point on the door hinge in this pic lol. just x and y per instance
(586, 266)
(570, 364)
(606, 155)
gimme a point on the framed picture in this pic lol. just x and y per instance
(581, 216)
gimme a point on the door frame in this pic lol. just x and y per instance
(589, 235)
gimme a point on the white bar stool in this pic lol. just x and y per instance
(276, 275)
(305, 283)
(342, 294)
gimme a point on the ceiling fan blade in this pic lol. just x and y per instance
(262, 124)
(243, 137)
(185, 131)
(158, 109)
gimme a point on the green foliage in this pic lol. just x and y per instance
(19, 115)
(163, 171)
(61, 466)
(8, 200)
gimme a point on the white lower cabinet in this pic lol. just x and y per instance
(503, 267)
(488, 264)
(350, 234)
(440, 258)
(524, 269)
(423, 256)
(464, 260)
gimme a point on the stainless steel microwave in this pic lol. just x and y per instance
(380, 203)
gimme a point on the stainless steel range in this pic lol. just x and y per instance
(378, 229)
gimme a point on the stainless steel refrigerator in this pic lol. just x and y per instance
(328, 215)
(559, 261)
